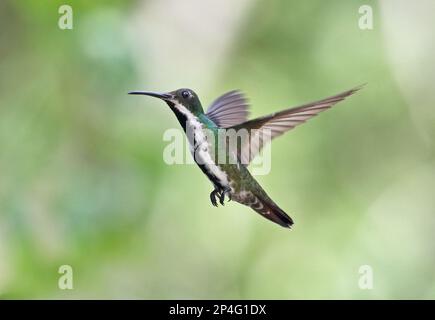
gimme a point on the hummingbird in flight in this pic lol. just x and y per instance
(231, 178)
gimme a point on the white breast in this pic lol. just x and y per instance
(201, 150)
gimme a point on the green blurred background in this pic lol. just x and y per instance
(83, 182)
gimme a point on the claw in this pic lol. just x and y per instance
(222, 198)
(226, 192)
(213, 198)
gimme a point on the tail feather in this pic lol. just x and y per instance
(263, 205)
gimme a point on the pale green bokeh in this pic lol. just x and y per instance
(83, 182)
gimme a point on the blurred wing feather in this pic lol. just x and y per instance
(229, 109)
(276, 124)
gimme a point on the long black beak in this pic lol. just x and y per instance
(163, 96)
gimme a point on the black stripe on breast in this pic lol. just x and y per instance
(182, 119)
(210, 175)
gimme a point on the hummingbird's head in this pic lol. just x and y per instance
(181, 100)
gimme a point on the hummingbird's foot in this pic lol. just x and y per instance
(222, 196)
(213, 198)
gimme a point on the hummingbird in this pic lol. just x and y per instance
(231, 178)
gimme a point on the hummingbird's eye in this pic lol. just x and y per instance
(185, 94)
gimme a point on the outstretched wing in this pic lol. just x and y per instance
(229, 109)
(276, 124)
